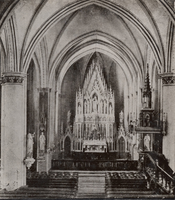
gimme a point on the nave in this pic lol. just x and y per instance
(86, 94)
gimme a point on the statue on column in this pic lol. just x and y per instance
(42, 140)
(29, 160)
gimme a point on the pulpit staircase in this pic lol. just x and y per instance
(91, 185)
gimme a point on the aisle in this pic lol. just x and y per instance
(91, 185)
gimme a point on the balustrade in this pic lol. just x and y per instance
(165, 180)
(160, 179)
(94, 165)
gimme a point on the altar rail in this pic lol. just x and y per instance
(100, 155)
(94, 165)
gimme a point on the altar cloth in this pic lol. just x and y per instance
(94, 146)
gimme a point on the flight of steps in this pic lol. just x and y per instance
(91, 185)
(37, 193)
(87, 184)
(128, 185)
(53, 185)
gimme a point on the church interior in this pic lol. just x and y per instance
(87, 89)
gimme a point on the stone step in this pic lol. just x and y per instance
(96, 181)
(95, 191)
(91, 182)
(101, 196)
(91, 186)
(40, 193)
(91, 175)
(125, 189)
(37, 195)
(31, 189)
(141, 196)
(129, 192)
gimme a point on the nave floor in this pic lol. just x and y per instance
(88, 184)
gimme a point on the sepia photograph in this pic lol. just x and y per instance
(87, 99)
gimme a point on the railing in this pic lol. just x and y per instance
(158, 179)
(165, 181)
(100, 156)
(94, 165)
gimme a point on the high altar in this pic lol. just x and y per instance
(94, 119)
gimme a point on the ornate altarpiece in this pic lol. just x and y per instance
(94, 124)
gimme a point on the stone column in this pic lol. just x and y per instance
(43, 159)
(13, 131)
(168, 102)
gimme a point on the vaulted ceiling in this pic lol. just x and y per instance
(59, 33)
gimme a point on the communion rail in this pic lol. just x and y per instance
(65, 164)
(159, 179)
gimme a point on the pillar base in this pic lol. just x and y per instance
(41, 165)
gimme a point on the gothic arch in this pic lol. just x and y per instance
(117, 49)
(81, 4)
(130, 71)
(38, 70)
(2, 57)
(70, 138)
(121, 143)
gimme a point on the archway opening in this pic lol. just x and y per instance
(121, 144)
(67, 147)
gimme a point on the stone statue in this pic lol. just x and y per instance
(147, 120)
(147, 143)
(30, 145)
(79, 108)
(68, 117)
(95, 104)
(121, 117)
(110, 109)
(42, 140)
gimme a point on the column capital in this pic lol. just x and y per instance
(44, 90)
(168, 78)
(13, 77)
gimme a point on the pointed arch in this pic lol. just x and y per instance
(2, 57)
(122, 144)
(126, 14)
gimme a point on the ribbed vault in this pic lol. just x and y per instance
(149, 36)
